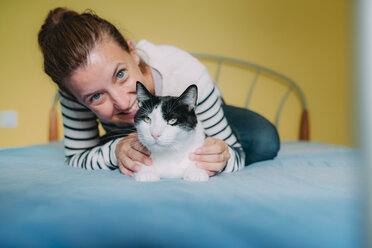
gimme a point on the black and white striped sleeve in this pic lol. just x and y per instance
(210, 113)
(81, 137)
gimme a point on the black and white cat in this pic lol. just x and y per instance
(169, 128)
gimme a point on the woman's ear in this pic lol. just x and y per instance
(133, 52)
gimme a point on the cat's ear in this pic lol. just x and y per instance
(142, 93)
(189, 97)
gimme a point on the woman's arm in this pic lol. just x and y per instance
(81, 138)
(211, 115)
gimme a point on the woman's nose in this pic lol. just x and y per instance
(121, 103)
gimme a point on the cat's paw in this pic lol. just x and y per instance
(146, 176)
(196, 175)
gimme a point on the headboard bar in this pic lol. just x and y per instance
(258, 67)
(292, 86)
(53, 119)
(253, 84)
(219, 66)
(304, 126)
(281, 105)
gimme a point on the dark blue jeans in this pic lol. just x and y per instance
(259, 138)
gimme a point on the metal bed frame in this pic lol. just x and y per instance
(292, 87)
(220, 61)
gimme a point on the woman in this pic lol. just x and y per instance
(96, 70)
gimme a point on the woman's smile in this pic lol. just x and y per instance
(132, 111)
(134, 107)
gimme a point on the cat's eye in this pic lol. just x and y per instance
(147, 119)
(172, 121)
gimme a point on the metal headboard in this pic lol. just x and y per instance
(292, 86)
(304, 122)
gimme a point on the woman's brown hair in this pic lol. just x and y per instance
(66, 38)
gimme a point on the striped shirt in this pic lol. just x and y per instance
(84, 148)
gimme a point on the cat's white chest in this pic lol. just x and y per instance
(172, 165)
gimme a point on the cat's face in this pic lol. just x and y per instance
(162, 122)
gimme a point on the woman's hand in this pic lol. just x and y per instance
(211, 157)
(128, 150)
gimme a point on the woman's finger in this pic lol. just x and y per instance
(130, 164)
(125, 171)
(210, 167)
(138, 156)
(209, 158)
(215, 148)
(135, 144)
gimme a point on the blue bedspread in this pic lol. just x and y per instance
(307, 197)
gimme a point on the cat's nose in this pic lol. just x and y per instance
(155, 135)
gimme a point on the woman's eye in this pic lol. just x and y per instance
(120, 74)
(172, 121)
(147, 119)
(96, 97)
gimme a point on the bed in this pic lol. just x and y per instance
(308, 196)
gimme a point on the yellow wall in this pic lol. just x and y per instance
(306, 40)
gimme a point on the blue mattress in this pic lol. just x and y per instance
(308, 196)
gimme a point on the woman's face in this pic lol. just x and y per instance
(107, 83)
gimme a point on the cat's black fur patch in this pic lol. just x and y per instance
(171, 108)
(186, 118)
